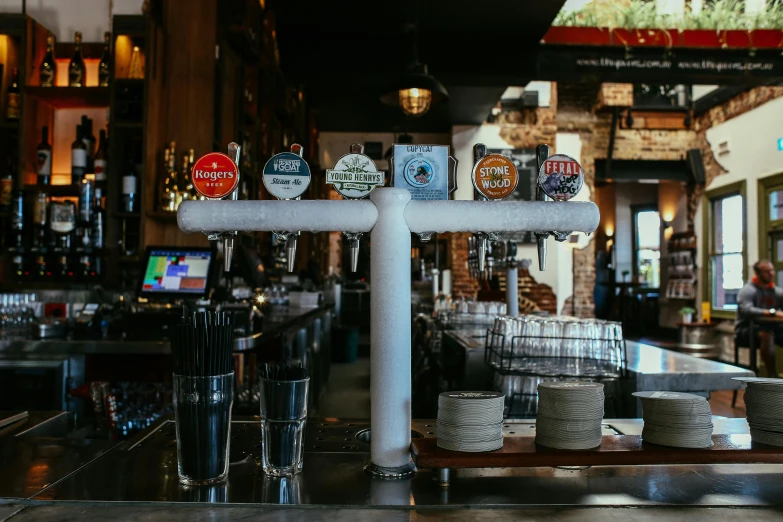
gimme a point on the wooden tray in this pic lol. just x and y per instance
(522, 452)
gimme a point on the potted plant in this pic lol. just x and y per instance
(582, 27)
(686, 313)
(640, 25)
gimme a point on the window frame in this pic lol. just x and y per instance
(635, 210)
(767, 225)
(708, 241)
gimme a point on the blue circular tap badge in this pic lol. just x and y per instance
(561, 177)
(286, 175)
(419, 172)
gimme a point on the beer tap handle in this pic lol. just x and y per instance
(228, 237)
(542, 153)
(353, 242)
(290, 250)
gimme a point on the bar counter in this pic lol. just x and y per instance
(134, 479)
(276, 321)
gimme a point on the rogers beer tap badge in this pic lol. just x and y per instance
(495, 176)
(286, 175)
(214, 175)
(561, 177)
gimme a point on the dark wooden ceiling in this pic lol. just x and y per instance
(345, 51)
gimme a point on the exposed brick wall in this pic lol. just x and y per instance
(615, 95)
(462, 284)
(541, 295)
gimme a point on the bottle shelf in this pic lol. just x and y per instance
(163, 216)
(71, 97)
(57, 191)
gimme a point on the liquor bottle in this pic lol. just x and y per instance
(44, 158)
(99, 162)
(89, 142)
(104, 67)
(86, 191)
(62, 222)
(78, 157)
(17, 219)
(13, 105)
(164, 202)
(194, 195)
(40, 268)
(98, 221)
(76, 73)
(6, 188)
(39, 220)
(183, 181)
(47, 73)
(129, 188)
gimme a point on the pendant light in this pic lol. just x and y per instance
(415, 90)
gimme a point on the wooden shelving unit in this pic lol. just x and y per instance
(71, 97)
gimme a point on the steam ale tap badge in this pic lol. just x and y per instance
(561, 177)
(214, 175)
(286, 175)
(495, 176)
(354, 175)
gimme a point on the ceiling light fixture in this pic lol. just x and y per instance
(415, 90)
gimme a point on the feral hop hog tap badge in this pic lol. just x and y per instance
(495, 176)
(354, 176)
(214, 175)
(286, 175)
(561, 177)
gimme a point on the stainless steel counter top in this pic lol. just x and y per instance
(652, 368)
(276, 321)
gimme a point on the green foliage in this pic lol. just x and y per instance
(687, 310)
(641, 14)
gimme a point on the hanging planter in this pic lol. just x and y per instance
(645, 37)
(578, 36)
(701, 38)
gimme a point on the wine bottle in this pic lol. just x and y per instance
(44, 158)
(39, 219)
(99, 162)
(89, 143)
(13, 107)
(76, 71)
(98, 220)
(78, 157)
(47, 72)
(104, 67)
(129, 187)
(17, 219)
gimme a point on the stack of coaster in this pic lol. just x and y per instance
(569, 415)
(681, 420)
(764, 404)
(470, 421)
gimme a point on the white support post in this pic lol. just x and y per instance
(512, 299)
(391, 216)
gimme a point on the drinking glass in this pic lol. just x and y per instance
(283, 417)
(202, 409)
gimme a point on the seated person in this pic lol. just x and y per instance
(761, 298)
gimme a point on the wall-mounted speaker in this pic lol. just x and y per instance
(696, 166)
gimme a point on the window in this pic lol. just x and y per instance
(647, 231)
(725, 235)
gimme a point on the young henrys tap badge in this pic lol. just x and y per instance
(561, 177)
(354, 176)
(423, 170)
(286, 175)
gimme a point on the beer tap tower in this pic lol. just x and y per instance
(389, 216)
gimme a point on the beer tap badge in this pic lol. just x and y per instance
(354, 176)
(286, 175)
(561, 177)
(495, 176)
(423, 170)
(214, 175)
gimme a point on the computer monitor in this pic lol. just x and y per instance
(177, 272)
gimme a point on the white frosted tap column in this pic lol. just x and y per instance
(390, 330)
(512, 301)
(501, 216)
(251, 216)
